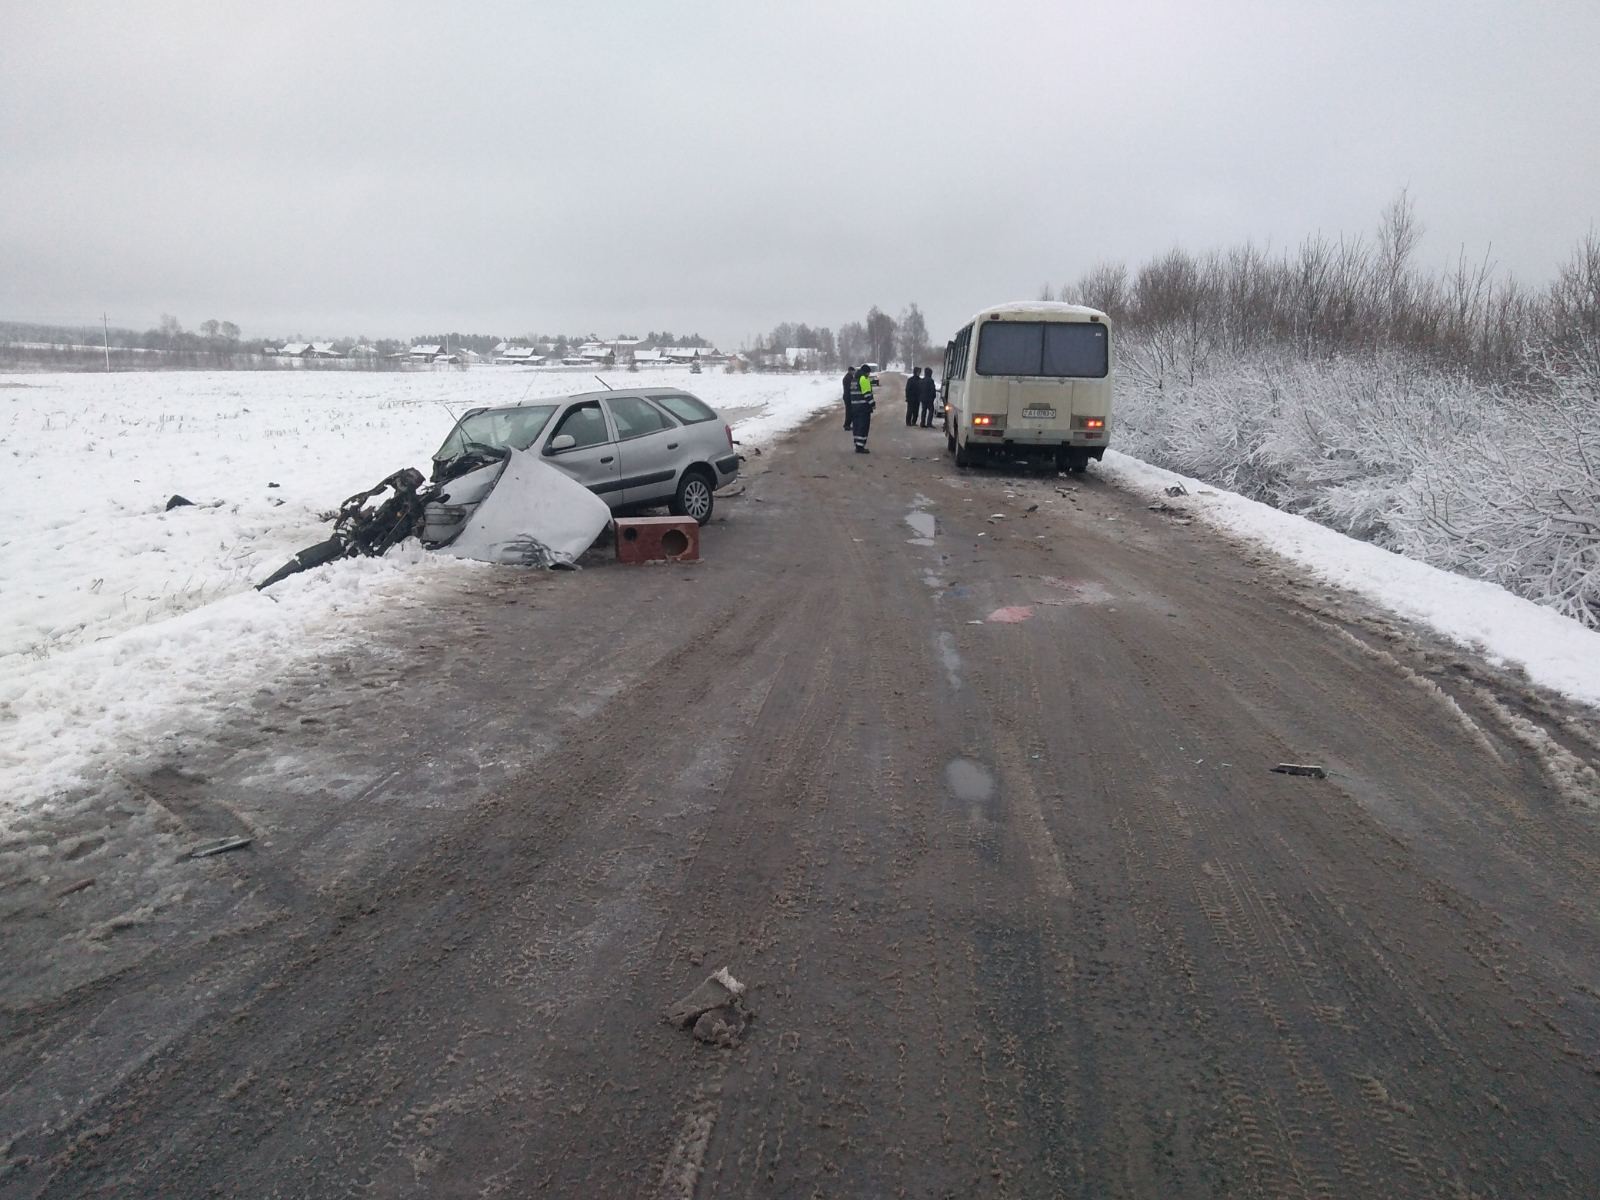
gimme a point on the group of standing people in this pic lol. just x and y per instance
(920, 391)
(860, 400)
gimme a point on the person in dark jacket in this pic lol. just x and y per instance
(930, 392)
(913, 396)
(852, 389)
(864, 404)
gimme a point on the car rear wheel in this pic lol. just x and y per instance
(693, 497)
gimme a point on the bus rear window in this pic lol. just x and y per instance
(1058, 349)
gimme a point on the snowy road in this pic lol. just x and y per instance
(974, 795)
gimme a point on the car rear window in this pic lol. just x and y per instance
(685, 407)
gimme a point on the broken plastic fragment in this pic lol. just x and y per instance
(1308, 769)
(221, 846)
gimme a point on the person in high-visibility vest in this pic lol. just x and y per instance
(864, 404)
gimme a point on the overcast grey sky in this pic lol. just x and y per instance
(392, 169)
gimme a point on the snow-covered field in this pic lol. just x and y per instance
(121, 622)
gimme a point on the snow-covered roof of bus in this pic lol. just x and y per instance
(1039, 308)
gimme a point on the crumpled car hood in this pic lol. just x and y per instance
(533, 516)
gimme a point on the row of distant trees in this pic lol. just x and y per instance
(879, 338)
(1339, 295)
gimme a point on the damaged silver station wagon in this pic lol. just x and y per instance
(634, 448)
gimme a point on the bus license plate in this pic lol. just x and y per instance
(1041, 414)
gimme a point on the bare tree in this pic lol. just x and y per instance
(1105, 287)
(853, 345)
(880, 335)
(913, 336)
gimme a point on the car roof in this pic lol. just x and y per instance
(645, 392)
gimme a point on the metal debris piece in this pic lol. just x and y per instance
(1309, 769)
(179, 502)
(1177, 489)
(220, 846)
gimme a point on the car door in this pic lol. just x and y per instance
(591, 457)
(651, 447)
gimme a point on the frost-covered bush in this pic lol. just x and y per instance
(1517, 501)
(1493, 481)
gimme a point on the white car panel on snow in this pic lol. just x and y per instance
(532, 509)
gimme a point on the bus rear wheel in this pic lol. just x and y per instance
(964, 456)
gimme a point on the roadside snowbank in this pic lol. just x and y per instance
(1557, 652)
(122, 623)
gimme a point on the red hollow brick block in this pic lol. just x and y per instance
(657, 539)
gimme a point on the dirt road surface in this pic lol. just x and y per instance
(965, 775)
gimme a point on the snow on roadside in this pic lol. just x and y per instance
(121, 622)
(1555, 651)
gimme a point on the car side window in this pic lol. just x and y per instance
(635, 418)
(586, 424)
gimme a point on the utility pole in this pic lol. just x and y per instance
(105, 337)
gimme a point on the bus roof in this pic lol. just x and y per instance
(1046, 309)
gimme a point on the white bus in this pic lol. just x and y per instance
(1030, 381)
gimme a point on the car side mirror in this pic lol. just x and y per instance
(562, 441)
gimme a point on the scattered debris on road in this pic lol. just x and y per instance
(714, 1011)
(1177, 489)
(63, 893)
(220, 846)
(179, 502)
(1308, 769)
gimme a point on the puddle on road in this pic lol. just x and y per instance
(924, 524)
(946, 643)
(969, 781)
